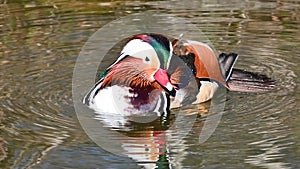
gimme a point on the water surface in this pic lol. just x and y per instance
(40, 42)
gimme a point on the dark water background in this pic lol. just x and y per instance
(39, 45)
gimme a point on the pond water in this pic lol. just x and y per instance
(39, 128)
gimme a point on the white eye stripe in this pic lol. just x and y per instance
(136, 46)
(140, 49)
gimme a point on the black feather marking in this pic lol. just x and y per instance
(189, 60)
(227, 62)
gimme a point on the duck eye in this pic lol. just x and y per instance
(147, 59)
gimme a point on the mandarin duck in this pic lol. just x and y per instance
(155, 73)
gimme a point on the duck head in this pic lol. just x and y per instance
(143, 63)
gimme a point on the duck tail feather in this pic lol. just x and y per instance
(244, 81)
(227, 62)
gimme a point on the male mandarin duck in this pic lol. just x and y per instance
(155, 74)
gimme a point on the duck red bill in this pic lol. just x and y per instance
(161, 76)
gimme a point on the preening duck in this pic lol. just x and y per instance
(154, 74)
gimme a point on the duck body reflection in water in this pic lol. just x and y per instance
(154, 74)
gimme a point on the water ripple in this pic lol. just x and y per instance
(40, 41)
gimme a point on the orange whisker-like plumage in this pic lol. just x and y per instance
(131, 72)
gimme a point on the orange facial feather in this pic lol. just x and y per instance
(131, 72)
